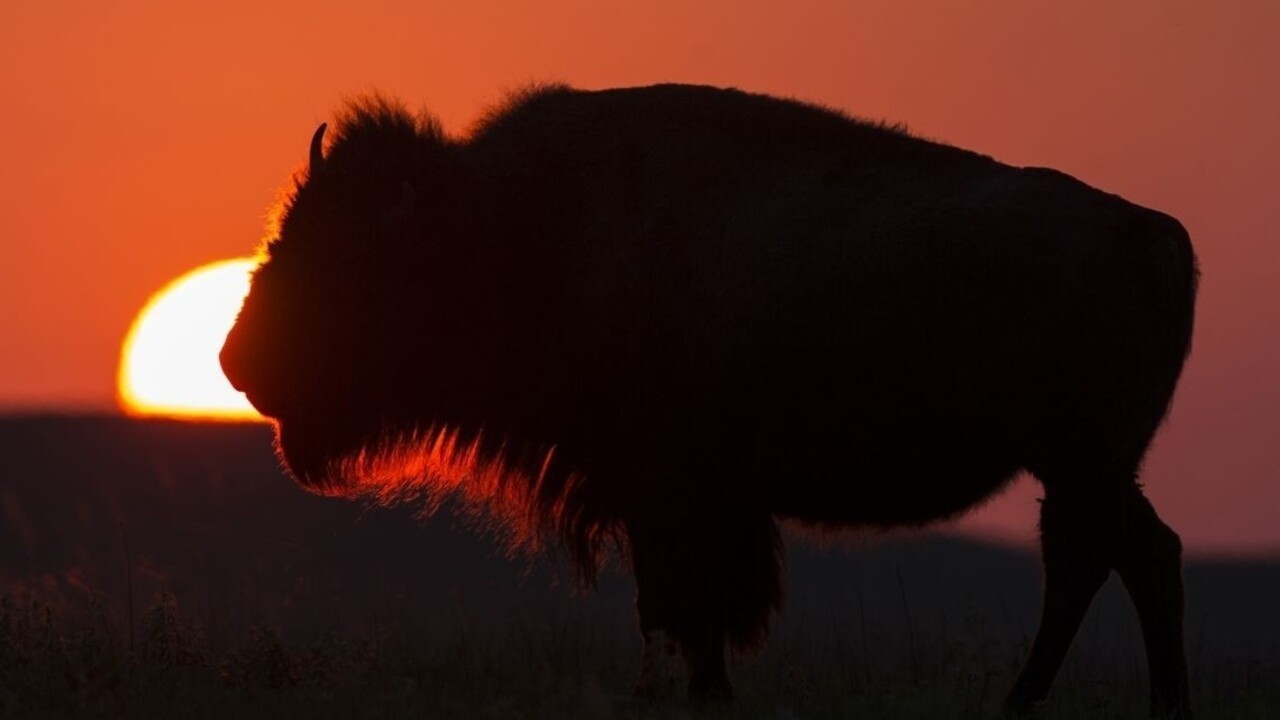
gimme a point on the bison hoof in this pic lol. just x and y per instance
(710, 691)
(660, 667)
(1180, 710)
(1017, 706)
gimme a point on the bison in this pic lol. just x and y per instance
(662, 319)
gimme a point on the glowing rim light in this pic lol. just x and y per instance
(169, 361)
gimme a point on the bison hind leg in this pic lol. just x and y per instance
(1090, 525)
(1075, 567)
(706, 580)
(1148, 558)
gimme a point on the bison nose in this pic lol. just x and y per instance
(248, 374)
(229, 359)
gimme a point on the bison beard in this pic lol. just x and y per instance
(661, 318)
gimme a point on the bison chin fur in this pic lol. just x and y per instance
(515, 493)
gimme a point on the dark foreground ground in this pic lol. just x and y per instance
(154, 569)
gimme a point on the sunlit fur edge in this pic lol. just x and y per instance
(519, 496)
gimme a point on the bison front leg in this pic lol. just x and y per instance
(704, 581)
(678, 618)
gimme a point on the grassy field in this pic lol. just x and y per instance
(549, 664)
(167, 570)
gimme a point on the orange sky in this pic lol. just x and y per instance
(143, 139)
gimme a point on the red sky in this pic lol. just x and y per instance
(143, 139)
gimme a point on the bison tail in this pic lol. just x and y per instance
(1183, 279)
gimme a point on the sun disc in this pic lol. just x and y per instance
(169, 362)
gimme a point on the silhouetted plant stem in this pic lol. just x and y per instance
(128, 577)
(911, 634)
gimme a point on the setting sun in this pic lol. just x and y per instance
(169, 364)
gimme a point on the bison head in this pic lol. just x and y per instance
(353, 317)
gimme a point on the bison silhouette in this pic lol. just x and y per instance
(662, 319)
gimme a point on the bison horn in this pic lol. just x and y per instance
(317, 149)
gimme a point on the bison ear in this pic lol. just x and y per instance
(317, 150)
(408, 196)
(408, 199)
(404, 207)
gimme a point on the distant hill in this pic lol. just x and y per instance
(206, 514)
